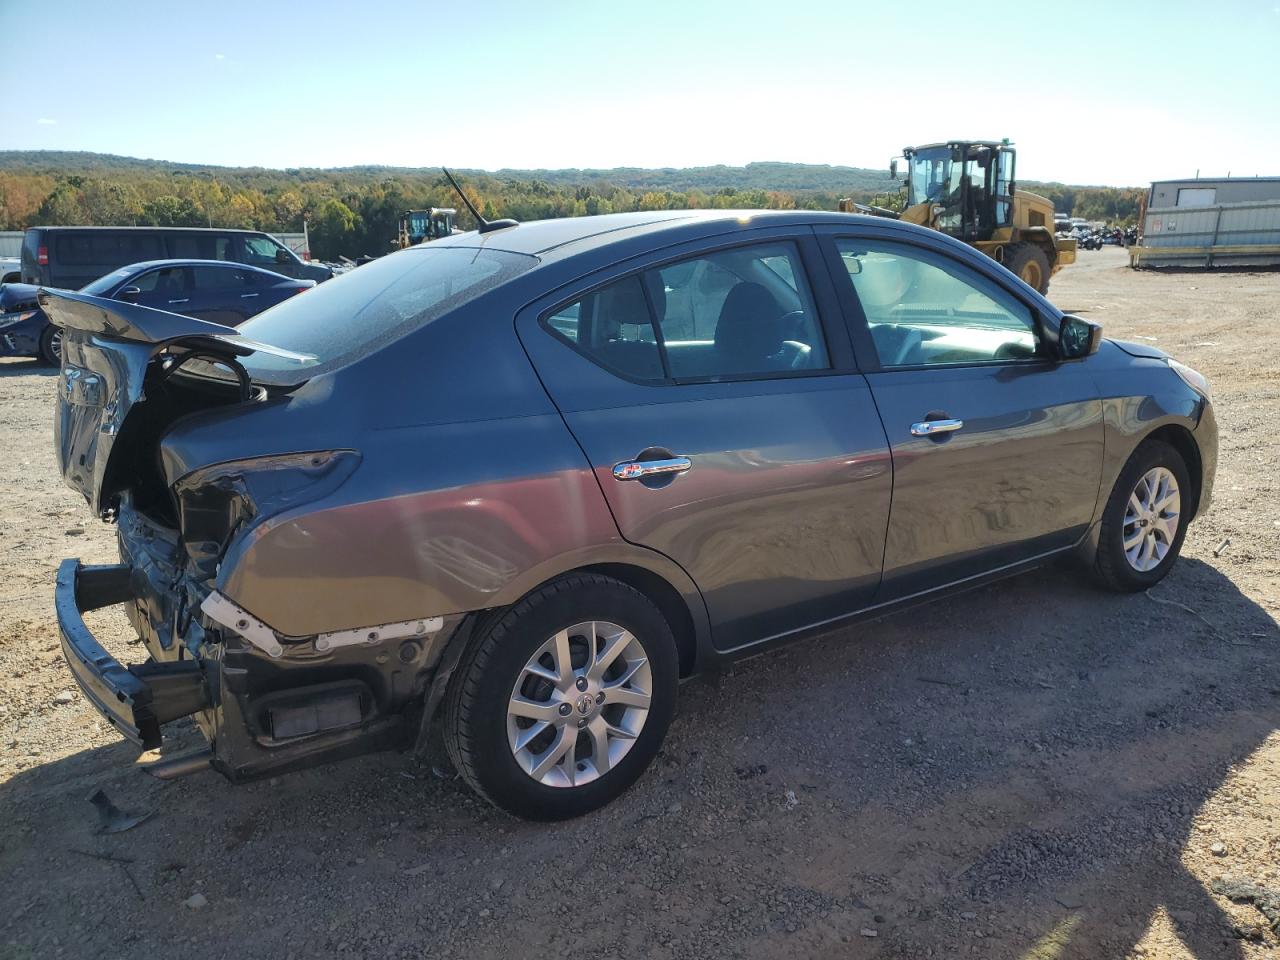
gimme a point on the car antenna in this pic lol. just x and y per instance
(485, 225)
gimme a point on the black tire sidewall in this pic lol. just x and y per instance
(1113, 565)
(47, 355)
(513, 641)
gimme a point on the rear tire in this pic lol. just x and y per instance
(1145, 519)
(1028, 263)
(548, 742)
(51, 346)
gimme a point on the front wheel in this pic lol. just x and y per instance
(561, 704)
(1029, 263)
(1145, 519)
(51, 346)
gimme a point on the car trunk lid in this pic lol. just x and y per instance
(110, 355)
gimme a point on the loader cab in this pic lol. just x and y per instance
(970, 186)
(417, 226)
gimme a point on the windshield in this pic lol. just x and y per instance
(930, 170)
(353, 315)
(103, 285)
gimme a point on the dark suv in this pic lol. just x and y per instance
(70, 257)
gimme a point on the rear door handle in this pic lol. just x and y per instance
(246, 296)
(927, 428)
(183, 300)
(639, 469)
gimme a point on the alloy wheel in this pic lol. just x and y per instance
(579, 703)
(1151, 519)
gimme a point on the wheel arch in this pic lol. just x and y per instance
(1182, 440)
(673, 607)
(660, 579)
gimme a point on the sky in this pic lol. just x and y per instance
(1117, 93)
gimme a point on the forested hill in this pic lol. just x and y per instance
(793, 177)
(354, 210)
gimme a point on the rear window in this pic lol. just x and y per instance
(102, 286)
(358, 312)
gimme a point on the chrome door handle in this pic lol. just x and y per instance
(246, 296)
(927, 428)
(639, 469)
(183, 300)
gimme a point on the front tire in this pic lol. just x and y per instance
(1145, 520)
(560, 705)
(50, 346)
(1029, 263)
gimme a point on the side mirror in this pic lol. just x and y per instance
(128, 294)
(1078, 338)
(282, 256)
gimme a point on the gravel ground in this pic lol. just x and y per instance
(1032, 770)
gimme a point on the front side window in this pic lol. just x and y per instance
(736, 313)
(922, 308)
(165, 280)
(262, 251)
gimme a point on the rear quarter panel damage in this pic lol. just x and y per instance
(436, 520)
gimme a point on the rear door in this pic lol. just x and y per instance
(726, 426)
(223, 294)
(997, 447)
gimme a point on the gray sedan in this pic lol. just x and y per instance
(518, 483)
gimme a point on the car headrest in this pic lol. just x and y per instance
(748, 329)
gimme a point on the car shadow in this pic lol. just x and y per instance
(1016, 772)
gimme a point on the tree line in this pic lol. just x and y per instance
(355, 211)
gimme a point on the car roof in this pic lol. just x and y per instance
(153, 230)
(570, 236)
(229, 264)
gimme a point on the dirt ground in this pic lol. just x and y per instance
(1034, 770)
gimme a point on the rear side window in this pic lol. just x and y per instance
(353, 315)
(91, 248)
(613, 326)
(739, 313)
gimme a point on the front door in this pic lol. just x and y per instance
(997, 448)
(727, 430)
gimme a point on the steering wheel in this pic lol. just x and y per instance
(793, 354)
(911, 339)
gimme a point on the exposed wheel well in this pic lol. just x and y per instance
(1180, 438)
(668, 601)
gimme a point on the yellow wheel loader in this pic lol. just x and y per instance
(417, 226)
(966, 189)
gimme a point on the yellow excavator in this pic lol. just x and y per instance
(966, 189)
(417, 226)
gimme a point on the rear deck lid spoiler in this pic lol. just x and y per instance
(135, 323)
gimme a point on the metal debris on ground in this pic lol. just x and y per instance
(1221, 548)
(111, 819)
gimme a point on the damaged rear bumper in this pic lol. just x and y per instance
(136, 699)
(262, 711)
